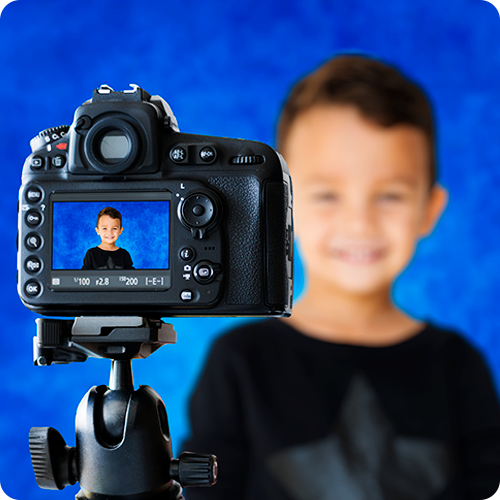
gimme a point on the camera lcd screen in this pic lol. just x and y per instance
(103, 253)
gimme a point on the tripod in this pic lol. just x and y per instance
(123, 449)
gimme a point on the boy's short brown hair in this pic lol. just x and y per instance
(379, 91)
(110, 212)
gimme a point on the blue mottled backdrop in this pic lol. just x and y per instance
(225, 68)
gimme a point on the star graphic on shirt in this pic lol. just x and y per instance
(363, 458)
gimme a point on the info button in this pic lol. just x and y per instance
(186, 296)
(187, 254)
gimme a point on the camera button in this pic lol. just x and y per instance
(187, 254)
(34, 195)
(208, 154)
(33, 218)
(36, 162)
(33, 265)
(204, 272)
(33, 288)
(186, 295)
(178, 154)
(58, 161)
(33, 241)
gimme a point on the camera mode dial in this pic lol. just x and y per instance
(48, 136)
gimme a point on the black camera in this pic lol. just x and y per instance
(206, 221)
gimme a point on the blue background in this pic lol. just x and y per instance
(145, 232)
(225, 68)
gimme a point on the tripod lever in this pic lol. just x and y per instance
(194, 469)
(53, 461)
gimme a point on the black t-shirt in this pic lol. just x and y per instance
(291, 417)
(97, 258)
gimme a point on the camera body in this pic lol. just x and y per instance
(207, 221)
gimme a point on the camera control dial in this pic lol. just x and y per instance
(48, 136)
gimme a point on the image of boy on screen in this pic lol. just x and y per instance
(107, 255)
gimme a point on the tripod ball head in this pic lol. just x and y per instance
(123, 447)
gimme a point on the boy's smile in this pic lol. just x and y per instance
(109, 230)
(358, 255)
(361, 196)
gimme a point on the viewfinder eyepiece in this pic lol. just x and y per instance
(112, 145)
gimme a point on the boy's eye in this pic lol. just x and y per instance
(326, 197)
(388, 197)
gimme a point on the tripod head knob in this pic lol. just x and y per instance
(194, 469)
(53, 461)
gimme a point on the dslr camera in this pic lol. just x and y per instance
(187, 225)
(206, 221)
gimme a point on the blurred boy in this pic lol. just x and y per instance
(351, 398)
(107, 255)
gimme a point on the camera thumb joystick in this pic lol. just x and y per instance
(198, 212)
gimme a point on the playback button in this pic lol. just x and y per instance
(36, 162)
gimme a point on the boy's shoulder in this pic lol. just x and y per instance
(273, 334)
(454, 343)
(251, 334)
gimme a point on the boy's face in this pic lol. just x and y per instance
(108, 229)
(361, 197)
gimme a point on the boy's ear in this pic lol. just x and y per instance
(97, 230)
(436, 203)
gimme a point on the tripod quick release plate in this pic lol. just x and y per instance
(120, 338)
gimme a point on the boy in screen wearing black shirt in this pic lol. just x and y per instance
(351, 398)
(107, 255)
